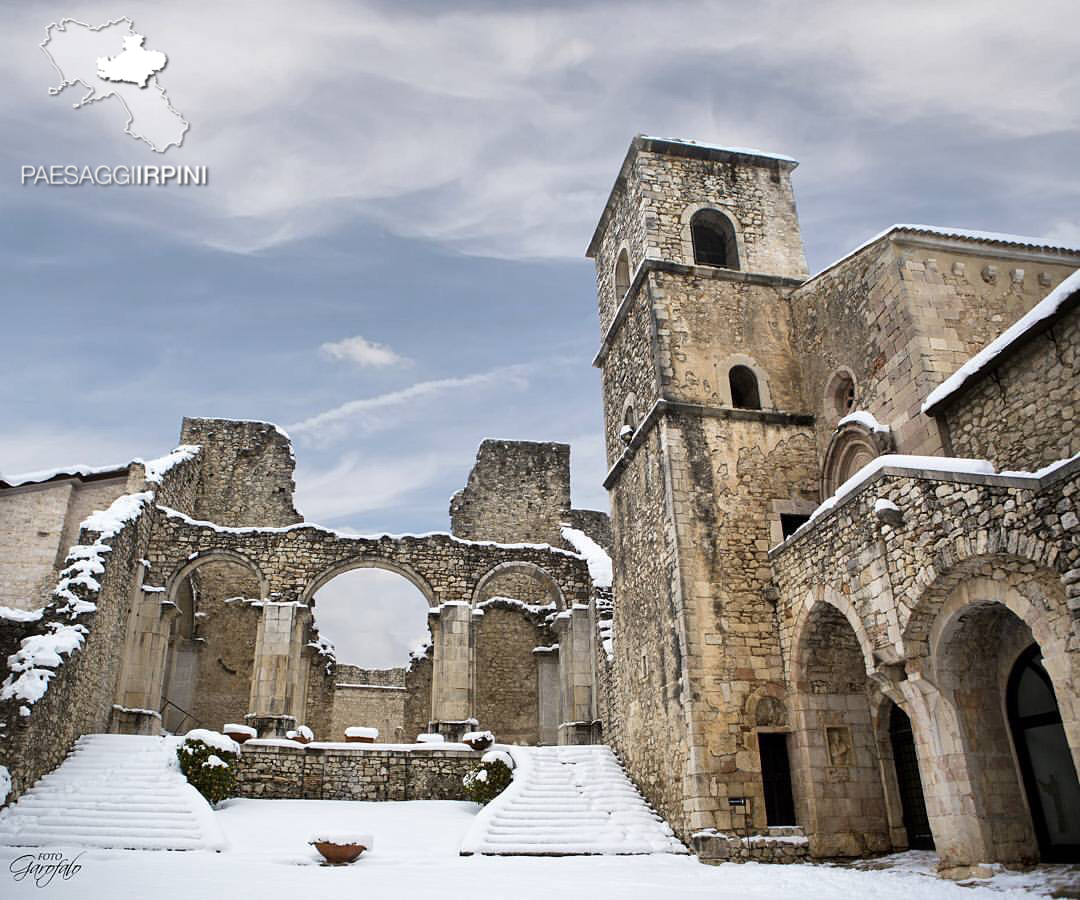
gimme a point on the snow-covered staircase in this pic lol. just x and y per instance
(114, 790)
(569, 801)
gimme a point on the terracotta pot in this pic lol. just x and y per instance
(480, 743)
(339, 854)
(238, 736)
(349, 739)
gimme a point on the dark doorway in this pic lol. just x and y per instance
(912, 800)
(1045, 761)
(776, 777)
(744, 388)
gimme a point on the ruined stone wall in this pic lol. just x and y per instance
(1022, 416)
(81, 693)
(247, 472)
(518, 492)
(594, 523)
(226, 628)
(418, 695)
(351, 772)
(373, 698)
(506, 678)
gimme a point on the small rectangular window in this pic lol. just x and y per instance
(791, 522)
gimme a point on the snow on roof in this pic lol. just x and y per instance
(744, 151)
(1046, 309)
(967, 234)
(155, 468)
(79, 470)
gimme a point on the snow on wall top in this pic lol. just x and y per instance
(967, 234)
(1046, 309)
(743, 151)
(595, 556)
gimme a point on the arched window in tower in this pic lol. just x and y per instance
(714, 240)
(744, 388)
(622, 276)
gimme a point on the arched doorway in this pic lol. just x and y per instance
(909, 781)
(1046, 764)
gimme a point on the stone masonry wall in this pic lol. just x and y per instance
(506, 676)
(340, 772)
(518, 491)
(1023, 415)
(82, 690)
(374, 698)
(418, 695)
(38, 522)
(247, 472)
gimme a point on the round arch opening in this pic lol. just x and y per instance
(374, 616)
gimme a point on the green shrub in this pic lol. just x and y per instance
(208, 761)
(489, 779)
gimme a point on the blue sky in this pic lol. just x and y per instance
(425, 177)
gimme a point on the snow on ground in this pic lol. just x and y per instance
(416, 857)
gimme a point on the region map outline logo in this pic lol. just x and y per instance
(130, 72)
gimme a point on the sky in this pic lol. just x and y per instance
(388, 259)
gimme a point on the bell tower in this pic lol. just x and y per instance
(711, 457)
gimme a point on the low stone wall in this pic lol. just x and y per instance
(271, 770)
(715, 847)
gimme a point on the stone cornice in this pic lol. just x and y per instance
(666, 405)
(663, 265)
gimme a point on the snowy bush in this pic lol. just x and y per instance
(489, 779)
(208, 760)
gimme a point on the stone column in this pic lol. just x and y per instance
(954, 804)
(277, 678)
(549, 694)
(451, 676)
(576, 675)
(138, 702)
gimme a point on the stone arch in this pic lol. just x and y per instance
(1027, 583)
(723, 382)
(209, 556)
(837, 774)
(369, 562)
(840, 393)
(828, 596)
(851, 447)
(520, 568)
(728, 223)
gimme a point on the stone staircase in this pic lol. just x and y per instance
(114, 790)
(568, 801)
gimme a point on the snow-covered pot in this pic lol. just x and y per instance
(360, 735)
(239, 733)
(478, 740)
(341, 849)
(302, 735)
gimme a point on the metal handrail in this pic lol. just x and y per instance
(187, 715)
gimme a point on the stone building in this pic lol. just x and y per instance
(187, 601)
(836, 605)
(862, 675)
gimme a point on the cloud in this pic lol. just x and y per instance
(307, 120)
(353, 486)
(370, 411)
(363, 352)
